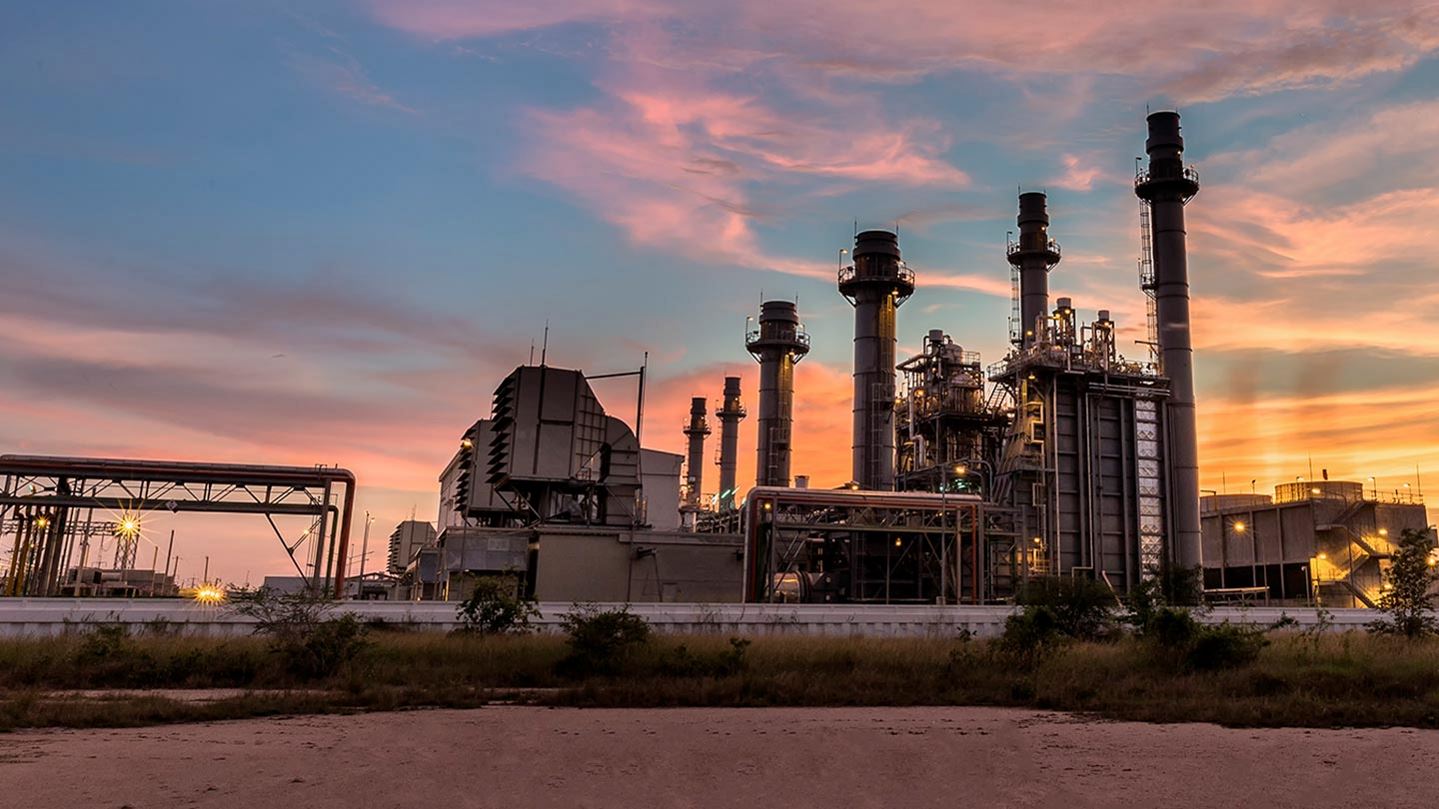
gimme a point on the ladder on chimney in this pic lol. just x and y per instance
(1015, 327)
(1146, 279)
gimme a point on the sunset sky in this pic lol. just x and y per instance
(322, 232)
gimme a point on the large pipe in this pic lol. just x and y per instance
(778, 343)
(1167, 186)
(1035, 254)
(730, 415)
(695, 431)
(876, 285)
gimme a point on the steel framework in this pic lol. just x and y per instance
(40, 496)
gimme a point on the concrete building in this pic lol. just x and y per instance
(405, 541)
(1326, 542)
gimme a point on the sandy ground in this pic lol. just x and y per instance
(834, 758)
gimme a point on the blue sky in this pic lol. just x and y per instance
(321, 232)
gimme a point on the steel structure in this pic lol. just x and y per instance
(876, 285)
(730, 414)
(1033, 256)
(846, 546)
(777, 344)
(696, 430)
(1166, 186)
(41, 496)
(947, 429)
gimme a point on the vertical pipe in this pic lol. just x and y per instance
(1167, 186)
(777, 344)
(1034, 255)
(876, 285)
(730, 414)
(695, 431)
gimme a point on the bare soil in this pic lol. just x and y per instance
(782, 757)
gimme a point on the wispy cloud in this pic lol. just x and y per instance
(338, 72)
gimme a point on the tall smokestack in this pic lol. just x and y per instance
(730, 415)
(1035, 254)
(1167, 186)
(695, 431)
(778, 344)
(876, 285)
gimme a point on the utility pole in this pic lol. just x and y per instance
(205, 577)
(365, 551)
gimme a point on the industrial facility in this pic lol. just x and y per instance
(1061, 458)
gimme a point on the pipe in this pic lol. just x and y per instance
(1167, 186)
(778, 343)
(1035, 254)
(730, 415)
(696, 431)
(876, 285)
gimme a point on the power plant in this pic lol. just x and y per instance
(1062, 458)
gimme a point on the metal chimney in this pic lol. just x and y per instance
(1167, 185)
(730, 415)
(1034, 255)
(695, 431)
(876, 284)
(778, 343)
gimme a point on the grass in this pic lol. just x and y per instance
(1297, 680)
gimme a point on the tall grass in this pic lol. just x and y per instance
(1296, 680)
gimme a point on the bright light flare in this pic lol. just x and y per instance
(209, 594)
(128, 526)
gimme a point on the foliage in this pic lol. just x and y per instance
(1078, 607)
(599, 640)
(1406, 602)
(496, 608)
(312, 644)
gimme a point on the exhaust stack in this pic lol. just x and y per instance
(1167, 186)
(730, 414)
(876, 285)
(695, 431)
(778, 343)
(1034, 255)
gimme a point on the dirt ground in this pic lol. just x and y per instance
(792, 757)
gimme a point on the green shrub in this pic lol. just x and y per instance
(1081, 608)
(1406, 602)
(600, 640)
(681, 662)
(495, 608)
(1185, 642)
(310, 644)
(1030, 633)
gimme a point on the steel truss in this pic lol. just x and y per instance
(42, 497)
(846, 546)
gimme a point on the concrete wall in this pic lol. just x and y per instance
(56, 616)
(637, 566)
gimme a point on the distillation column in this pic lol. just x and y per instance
(876, 284)
(778, 343)
(695, 431)
(730, 415)
(1167, 186)
(1035, 254)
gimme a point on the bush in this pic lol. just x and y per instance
(1194, 646)
(1029, 633)
(600, 640)
(1080, 608)
(311, 645)
(495, 608)
(1407, 605)
(681, 662)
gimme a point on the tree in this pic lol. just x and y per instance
(495, 608)
(1406, 602)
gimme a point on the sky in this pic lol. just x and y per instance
(322, 232)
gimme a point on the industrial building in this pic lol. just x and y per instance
(1063, 457)
(1326, 542)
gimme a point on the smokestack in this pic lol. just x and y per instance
(1167, 186)
(730, 415)
(875, 285)
(1035, 254)
(696, 430)
(778, 344)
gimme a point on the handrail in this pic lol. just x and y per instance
(904, 273)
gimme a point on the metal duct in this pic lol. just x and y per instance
(696, 430)
(1167, 186)
(1034, 255)
(876, 285)
(730, 415)
(778, 343)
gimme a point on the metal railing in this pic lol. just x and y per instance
(904, 274)
(798, 335)
(1016, 246)
(1144, 175)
